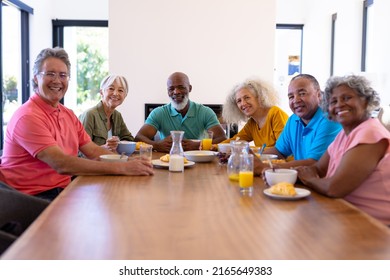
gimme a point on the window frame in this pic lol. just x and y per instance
(332, 43)
(58, 30)
(25, 11)
(59, 24)
(366, 5)
(294, 27)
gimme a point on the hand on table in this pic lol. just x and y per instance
(191, 145)
(138, 166)
(305, 173)
(164, 145)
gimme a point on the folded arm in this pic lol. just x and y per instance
(355, 166)
(146, 134)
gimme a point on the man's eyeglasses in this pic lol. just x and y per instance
(53, 75)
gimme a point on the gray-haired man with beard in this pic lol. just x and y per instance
(180, 114)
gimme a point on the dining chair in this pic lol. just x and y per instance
(384, 116)
(230, 129)
(17, 212)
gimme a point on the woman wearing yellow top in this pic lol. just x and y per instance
(255, 102)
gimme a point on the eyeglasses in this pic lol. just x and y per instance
(53, 75)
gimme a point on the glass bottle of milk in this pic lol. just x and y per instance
(176, 154)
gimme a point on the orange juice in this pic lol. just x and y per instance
(246, 179)
(206, 143)
(234, 177)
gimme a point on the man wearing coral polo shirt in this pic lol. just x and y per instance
(43, 137)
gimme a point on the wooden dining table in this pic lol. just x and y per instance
(197, 214)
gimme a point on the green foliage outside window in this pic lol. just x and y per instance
(89, 73)
(10, 88)
(10, 83)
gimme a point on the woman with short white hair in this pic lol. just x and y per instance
(103, 122)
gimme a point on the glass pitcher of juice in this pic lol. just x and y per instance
(233, 166)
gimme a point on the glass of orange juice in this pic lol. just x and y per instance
(207, 140)
(245, 178)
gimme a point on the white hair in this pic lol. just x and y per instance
(262, 91)
(110, 79)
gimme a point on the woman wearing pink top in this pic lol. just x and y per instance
(356, 165)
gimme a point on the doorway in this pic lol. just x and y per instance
(288, 58)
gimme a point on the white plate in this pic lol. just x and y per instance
(200, 156)
(301, 193)
(159, 163)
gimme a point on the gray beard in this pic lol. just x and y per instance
(180, 106)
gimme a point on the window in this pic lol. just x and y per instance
(14, 50)
(86, 42)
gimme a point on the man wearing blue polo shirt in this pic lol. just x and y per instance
(180, 114)
(308, 132)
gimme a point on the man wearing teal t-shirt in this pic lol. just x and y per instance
(180, 114)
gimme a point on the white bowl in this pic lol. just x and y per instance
(224, 148)
(200, 156)
(126, 147)
(281, 175)
(114, 158)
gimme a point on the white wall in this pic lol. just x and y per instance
(40, 26)
(47, 10)
(378, 49)
(316, 15)
(220, 42)
(217, 43)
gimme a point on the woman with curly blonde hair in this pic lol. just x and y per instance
(254, 101)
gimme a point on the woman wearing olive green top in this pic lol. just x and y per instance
(103, 122)
(254, 101)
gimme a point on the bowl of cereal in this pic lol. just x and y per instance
(126, 147)
(280, 175)
(224, 148)
(200, 156)
(113, 158)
